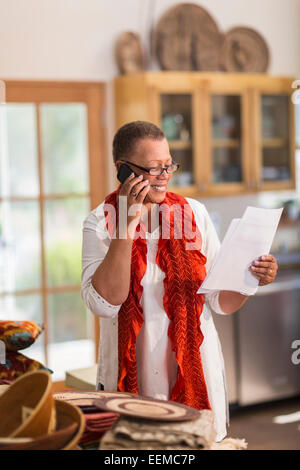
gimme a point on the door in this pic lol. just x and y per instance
(227, 142)
(174, 112)
(52, 175)
(274, 142)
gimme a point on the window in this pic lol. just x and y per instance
(52, 168)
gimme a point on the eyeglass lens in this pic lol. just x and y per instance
(158, 171)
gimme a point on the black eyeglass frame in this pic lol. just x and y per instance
(147, 170)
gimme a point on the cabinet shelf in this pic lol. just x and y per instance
(289, 223)
(275, 142)
(180, 144)
(231, 143)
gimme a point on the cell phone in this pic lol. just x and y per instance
(124, 172)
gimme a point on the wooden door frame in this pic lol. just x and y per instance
(93, 95)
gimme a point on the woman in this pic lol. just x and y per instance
(157, 336)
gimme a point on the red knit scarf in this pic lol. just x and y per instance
(184, 272)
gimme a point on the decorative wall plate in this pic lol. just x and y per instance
(148, 408)
(129, 53)
(244, 50)
(187, 38)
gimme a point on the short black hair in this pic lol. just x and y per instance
(128, 135)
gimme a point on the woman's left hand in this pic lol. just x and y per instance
(264, 269)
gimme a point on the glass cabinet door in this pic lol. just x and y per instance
(176, 122)
(226, 139)
(275, 148)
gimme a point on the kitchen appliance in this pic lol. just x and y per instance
(265, 329)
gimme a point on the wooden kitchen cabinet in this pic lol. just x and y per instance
(230, 133)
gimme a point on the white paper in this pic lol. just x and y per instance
(246, 240)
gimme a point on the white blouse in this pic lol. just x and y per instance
(156, 363)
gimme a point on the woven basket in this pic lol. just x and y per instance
(27, 406)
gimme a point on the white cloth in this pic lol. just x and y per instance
(156, 364)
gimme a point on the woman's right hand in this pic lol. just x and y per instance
(135, 189)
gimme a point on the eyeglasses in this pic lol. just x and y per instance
(157, 170)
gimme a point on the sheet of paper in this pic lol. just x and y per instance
(246, 239)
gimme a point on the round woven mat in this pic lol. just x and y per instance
(86, 398)
(244, 50)
(187, 38)
(148, 408)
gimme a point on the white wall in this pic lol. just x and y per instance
(74, 39)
